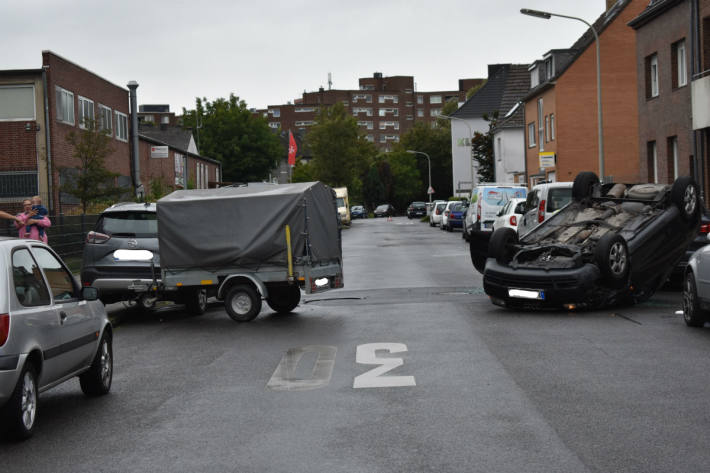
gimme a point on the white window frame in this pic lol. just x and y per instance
(121, 126)
(420, 100)
(541, 125)
(434, 112)
(274, 125)
(653, 64)
(435, 99)
(305, 110)
(682, 64)
(275, 112)
(84, 106)
(65, 103)
(531, 135)
(106, 113)
(552, 127)
(420, 112)
(34, 103)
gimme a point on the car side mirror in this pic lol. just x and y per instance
(89, 293)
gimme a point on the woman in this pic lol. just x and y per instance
(29, 226)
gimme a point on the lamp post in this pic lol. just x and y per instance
(470, 137)
(429, 163)
(547, 15)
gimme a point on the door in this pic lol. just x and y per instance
(529, 220)
(79, 331)
(35, 316)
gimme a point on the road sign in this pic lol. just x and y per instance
(430, 190)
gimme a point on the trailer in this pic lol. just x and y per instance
(249, 243)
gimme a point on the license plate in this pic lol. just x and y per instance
(487, 225)
(526, 294)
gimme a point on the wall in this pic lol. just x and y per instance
(461, 149)
(509, 157)
(532, 153)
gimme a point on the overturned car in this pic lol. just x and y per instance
(612, 244)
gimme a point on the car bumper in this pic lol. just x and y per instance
(556, 287)
(10, 368)
(119, 280)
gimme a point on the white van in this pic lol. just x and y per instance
(543, 201)
(341, 195)
(486, 201)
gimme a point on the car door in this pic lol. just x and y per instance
(529, 219)
(79, 330)
(34, 314)
(501, 216)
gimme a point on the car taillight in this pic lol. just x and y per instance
(478, 211)
(705, 228)
(541, 212)
(4, 328)
(96, 237)
(513, 220)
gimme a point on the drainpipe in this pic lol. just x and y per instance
(48, 143)
(695, 49)
(140, 191)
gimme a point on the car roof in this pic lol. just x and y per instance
(132, 207)
(553, 185)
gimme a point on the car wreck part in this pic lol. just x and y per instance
(547, 257)
(684, 195)
(585, 185)
(501, 244)
(617, 191)
(526, 294)
(612, 258)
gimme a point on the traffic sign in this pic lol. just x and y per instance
(430, 190)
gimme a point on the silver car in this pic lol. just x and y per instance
(696, 288)
(51, 330)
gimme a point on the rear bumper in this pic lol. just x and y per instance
(119, 280)
(10, 367)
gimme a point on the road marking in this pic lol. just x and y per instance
(284, 377)
(366, 355)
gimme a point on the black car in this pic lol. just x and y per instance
(611, 244)
(416, 209)
(384, 210)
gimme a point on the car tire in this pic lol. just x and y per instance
(196, 301)
(612, 257)
(684, 195)
(478, 255)
(431, 224)
(19, 414)
(583, 186)
(283, 299)
(499, 247)
(96, 381)
(449, 228)
(242, 303)
(693, 315)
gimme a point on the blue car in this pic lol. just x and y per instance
(456, 216)
(357, 211)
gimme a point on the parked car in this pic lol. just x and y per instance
(358, 211)
(542, 202)
(677, 276)
(611, 245)
(445, 214)
(341, 198)
(456, 214)
(486, 201)
(51, 330)
(437, 213)
(384, 210)
(509, 216)
(696, 287)
(416, 209)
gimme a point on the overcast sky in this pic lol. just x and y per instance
(269, 52)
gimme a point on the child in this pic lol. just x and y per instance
(34, 221)
(40, 213)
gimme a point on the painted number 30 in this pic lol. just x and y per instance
(287, 375)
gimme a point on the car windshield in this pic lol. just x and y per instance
(133, 224)
(456, 207)
(419, 205)
(558, 198)
(381, 207)
(341, 201)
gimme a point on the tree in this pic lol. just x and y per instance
(482, 144)
(436, 142)
(90, 181)
(232, 134)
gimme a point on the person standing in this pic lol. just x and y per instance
(31, 223)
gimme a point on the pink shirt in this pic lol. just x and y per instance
(34, 231)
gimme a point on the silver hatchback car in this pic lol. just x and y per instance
(51, 330)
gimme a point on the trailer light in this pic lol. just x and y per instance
(4, 328)
(179, 284)
(206, 282)
(321, 282)
(570, 306)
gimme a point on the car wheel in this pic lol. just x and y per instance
(20, 412)
(449, 228)
(612, 258)
(431, 223)
(478, 254)
(583, 186)
(242, 302)
(196, 301)
(500, 245)
(693, 315)
(684, 195)
(284, 299)
(97, 380)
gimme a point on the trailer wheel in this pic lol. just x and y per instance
(283, 299)
(242, 302)
(196, 301)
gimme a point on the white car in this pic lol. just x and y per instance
(510, 214)
(437, 212)
(445, 213)
(543, 201)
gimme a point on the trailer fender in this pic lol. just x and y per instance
(242, 278)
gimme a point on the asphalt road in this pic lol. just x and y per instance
(476, 388)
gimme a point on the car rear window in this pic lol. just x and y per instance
(558, 198)
(129, 224)
(441, 206)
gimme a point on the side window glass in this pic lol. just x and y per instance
(30, 288)
(61, 282)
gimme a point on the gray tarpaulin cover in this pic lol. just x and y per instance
(245, 226)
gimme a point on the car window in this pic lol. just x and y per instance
(456, 207)
(341, 201)
(558, 198)
(27, 278)
(135, 224)
(61, 282)
(441, 206)
(520, 208)
(533, 199)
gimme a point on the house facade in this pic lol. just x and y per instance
(700, 89)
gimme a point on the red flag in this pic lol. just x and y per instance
(292, 148)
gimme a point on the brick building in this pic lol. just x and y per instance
(560, 109)
(699, 49)
(385, 107)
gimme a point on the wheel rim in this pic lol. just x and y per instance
(29, 401)
(617, 259)
(106, 365)
(688, 299)
(689, 200)
(241, 303)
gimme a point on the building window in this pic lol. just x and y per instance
(274, 125)
(179, 170)
(366, 111)
(65, 106)
(410, 117)
(305, 123)
(435, 112)
(680, 69)
(531, 134)
(384, 111)
(435, 99)
(121, 126)
(420, 112)
(366, 124)
(370, 138)
(549, 68)
(148, 118)
(362, 97)
(552, 127)
(17, 102)
(275, 112)
(86, 112)
(391, 98)
(651, 66)
(541, 126)
(547, 128)
(652, 162)
(305, 109)
(420, 99)
(672, 159)
(105, 119)
(385, 125)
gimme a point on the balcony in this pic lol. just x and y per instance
(700, 99)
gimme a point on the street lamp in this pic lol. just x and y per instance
(470, 136)
(547, 15)
(428, 162)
